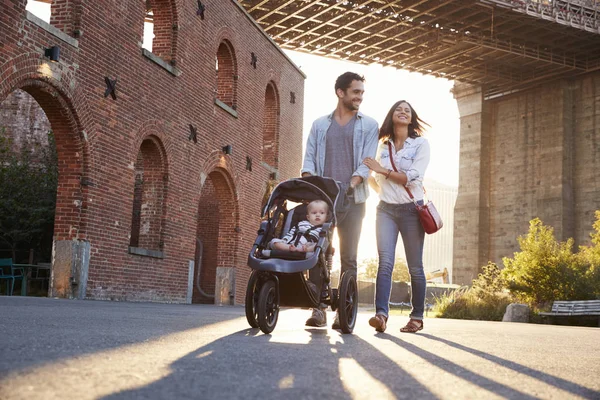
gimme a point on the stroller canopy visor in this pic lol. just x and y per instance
(305, 190)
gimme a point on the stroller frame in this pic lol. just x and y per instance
(279, 280)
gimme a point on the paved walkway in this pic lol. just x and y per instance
(68, 349)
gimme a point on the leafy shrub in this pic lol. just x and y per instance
(485, 300)
(28, 178)
(546, 270)
(543, 271)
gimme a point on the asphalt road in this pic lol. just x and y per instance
(69, 349)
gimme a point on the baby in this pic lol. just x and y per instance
(304, 236)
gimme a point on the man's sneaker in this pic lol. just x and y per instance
(336, 321)
(318, 318)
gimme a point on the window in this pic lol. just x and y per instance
(226, 72)
(40, 8)
(160, 29)
(58, 13)
(149, 196)
(271, 126)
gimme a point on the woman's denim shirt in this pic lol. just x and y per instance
(366, 132)
(413, 160)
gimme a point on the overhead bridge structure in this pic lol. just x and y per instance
(527, 84)
(504, 45)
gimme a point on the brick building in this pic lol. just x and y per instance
(160, 185)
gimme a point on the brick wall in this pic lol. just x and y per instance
(526, 155)
(206, 194)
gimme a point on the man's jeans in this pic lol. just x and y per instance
(349, 225)
(391, 220)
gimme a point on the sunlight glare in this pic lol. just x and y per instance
(358, 381)
(287, 382)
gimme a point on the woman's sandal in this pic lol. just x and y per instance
(379, 322)
(414, 325)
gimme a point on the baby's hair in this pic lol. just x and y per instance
(318, 202)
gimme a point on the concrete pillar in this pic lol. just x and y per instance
(471, 213)
(70, 264)
(224, 286)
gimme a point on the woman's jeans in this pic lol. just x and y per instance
(391, 220)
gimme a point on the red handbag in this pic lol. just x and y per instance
(428, 214)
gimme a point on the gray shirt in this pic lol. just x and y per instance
(339, 152)
(364, 145)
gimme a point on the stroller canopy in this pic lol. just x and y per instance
(307, 189)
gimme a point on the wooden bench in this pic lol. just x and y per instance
(574, 308)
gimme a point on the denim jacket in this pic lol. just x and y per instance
(366, 132)
(413, 160)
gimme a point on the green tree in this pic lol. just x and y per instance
(591, 257)
(546, 269)
(369, 266)
(28, 178)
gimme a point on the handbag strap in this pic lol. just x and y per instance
(394, 166)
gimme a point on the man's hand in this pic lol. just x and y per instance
(355, 181)
(305, 174)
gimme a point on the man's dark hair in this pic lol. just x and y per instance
(345, 80)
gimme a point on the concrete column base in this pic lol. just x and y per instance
(224, 286)
(70, 264)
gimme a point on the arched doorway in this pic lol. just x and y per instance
(216, 243)
(41, 131)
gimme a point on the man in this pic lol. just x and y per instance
(336, 146)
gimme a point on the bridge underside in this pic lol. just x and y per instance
(504, 46)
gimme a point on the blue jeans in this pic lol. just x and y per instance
(391, 220)
(349, 225)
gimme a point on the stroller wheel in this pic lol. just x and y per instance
(268, 306)
(348, 301)
(252, 292)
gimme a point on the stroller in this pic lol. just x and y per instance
(296, 279)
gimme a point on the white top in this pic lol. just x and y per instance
(413, 160)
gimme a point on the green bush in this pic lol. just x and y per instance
(546, 270)
(28, 178)
(543, 271)
(485, 300)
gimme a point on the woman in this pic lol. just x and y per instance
(400, 137)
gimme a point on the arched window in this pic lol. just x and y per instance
(40, 8)
(160, 29)
(58, 13)
(270, 145)
(226, 71)
(149, 195)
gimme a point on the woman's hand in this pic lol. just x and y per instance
(374, 165)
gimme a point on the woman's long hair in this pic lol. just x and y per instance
(415, 127)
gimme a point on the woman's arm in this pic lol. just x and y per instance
(396, 177)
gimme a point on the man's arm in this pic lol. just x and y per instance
(369, 150)
(309, 166)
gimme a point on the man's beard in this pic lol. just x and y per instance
(351, 106)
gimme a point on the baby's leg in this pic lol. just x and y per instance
(282, 246)
(310, 247)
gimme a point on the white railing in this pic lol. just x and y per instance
(580, 14)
